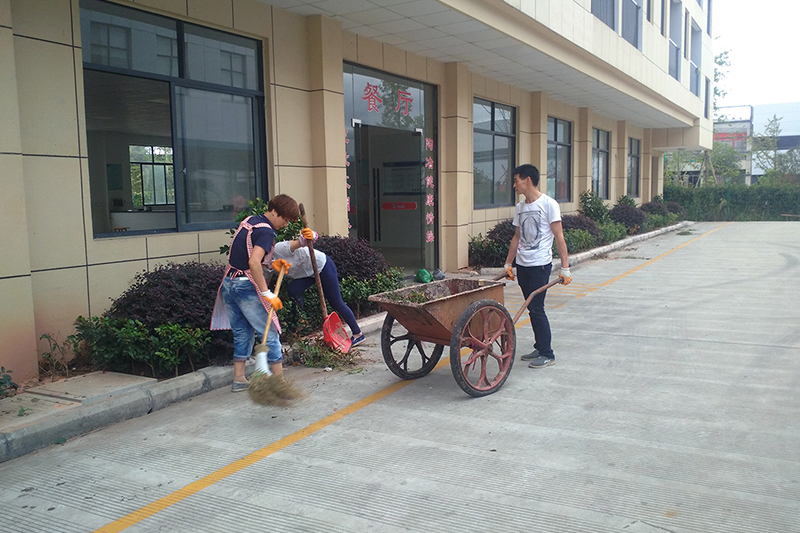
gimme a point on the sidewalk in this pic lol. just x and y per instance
(53, 413)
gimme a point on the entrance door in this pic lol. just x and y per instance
(390, 195)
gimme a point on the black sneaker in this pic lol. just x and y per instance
(530, 356)
(541, 362)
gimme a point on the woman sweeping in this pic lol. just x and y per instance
(244, 299)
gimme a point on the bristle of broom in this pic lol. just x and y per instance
(273, 390)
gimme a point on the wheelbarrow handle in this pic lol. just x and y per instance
(534, 293)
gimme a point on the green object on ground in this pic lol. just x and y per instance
(423, 276)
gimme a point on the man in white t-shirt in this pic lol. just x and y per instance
(538, 223)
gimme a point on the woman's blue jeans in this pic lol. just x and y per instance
(248, 318)
(530, 279)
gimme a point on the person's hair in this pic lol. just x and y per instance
(527, 171)
(285, 206)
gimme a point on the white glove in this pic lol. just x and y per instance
(566, 275)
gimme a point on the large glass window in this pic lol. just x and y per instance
(559, 159)
(173, 121)
(633, 168)
(600, 158)
(632, 21)
(605, 11)
(493, 153)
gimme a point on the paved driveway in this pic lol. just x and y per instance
(673, 406)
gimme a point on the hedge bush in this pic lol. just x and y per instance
(578, 240)
(593, 207)
(658, 221)
(612, 232)
(626, 200)
(353, 256)
(632, 218)
(655, 208)
(676, 209)
(747, 202)
(570, 222)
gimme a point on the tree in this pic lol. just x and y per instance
(779, 166)
(724, 160)
(722, 64)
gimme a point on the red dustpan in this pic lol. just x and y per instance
(332, 328)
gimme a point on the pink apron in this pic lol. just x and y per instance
(219, 317)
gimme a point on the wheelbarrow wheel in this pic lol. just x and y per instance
(482, 348)
(407, 357)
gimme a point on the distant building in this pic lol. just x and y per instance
(789, 115)
(737, 130)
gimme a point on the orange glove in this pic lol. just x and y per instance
(509, 272)
(565, 275)
(280, 264)
(272, 298)
(307, 234)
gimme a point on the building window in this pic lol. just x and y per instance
(494, 144)
(664, 17)
(707, 106)
(166, 153)
(633, 168)
(605, 11)
(675, 39)
(696, 54)
(110, 45)
(152, 175)
(631, 21)
(600, 159)
(559, 159)
(649, 7)
(708, 14)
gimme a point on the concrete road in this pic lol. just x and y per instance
(673, 406)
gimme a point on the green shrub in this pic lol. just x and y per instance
(676, 209)
(626, 200)
(502, 232)
(655, 208)
(632, 218)
(125, 345)
(583, 222)
(747, 202)
(492, 250)
(658, 221)
(578, 240)
(353, 256)
(659, 198)
(593, 207)
(612, 232)
(6, 384)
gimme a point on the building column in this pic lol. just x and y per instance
(17, 321)
(619, 181)
(329, 211)
(583, 155)
(646, 170)
(538, 129)
(456, 185)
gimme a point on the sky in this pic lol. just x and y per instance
(761, 36)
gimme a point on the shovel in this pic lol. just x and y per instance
(332, 328)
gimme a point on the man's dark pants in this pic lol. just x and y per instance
(530, 279)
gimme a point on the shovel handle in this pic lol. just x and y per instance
(534, 293)
(272, 309)
(310, 244)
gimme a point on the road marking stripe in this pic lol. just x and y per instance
(631, 271)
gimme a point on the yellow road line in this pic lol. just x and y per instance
(171, 499)
(631, 271)
(193, 488)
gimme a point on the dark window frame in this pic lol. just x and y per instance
(634, 167)
(597, 150)
(257, 97)
(153, 163)
(512, 140)
(559, 144)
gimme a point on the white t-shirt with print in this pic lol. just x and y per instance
(535, 246)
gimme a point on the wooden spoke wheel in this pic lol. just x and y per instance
(482, 348)
(405, 355)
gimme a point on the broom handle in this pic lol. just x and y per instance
(272, 309)
(310, 244)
